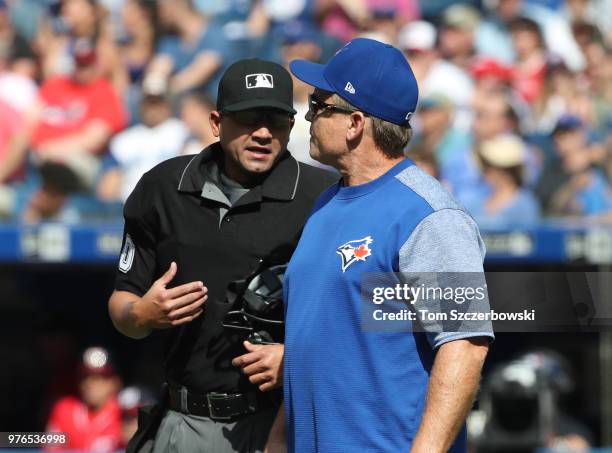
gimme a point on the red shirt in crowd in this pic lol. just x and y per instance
(98, 431)
(12, 121)
(69, 107)
(529, 82)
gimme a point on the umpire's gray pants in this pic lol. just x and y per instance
(181, 433)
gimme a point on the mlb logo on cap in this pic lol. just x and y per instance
(259, 81)
(255, 84)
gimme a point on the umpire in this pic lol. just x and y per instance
(192, 225)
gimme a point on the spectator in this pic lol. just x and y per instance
(530, 68)
(131, 399)
(140, 22)
(493, 35)
(436, 133)
(494, 116)
(16, 89)
(91, 421)
(10, 125)
(385, 21)
(80, 20)
(490, 77)
(582, 189)
(597, 77)
(585, 33)
(459, 23)
(597, 12)
(18, 69)
(345, 19)
(16, 48)
(435, 75)
(141, 147)
(424, 157)
(484, 68)
(191, 53)
(195, 111)
(251, 27)
(433, 10)
(570, 132)
(75, 117)
(561, 94)
(140, 25)
(26, 16)
(281, 12)
(503, 160)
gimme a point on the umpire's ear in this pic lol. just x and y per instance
(215, 122)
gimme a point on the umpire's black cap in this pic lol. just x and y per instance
(254, 83)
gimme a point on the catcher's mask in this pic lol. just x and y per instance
(257, 305)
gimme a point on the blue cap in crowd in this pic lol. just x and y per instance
(568, 122)
(298, 31)
(372, 76)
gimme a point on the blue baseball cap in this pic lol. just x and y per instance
(297, 32)
(568, 122)
(374, 77)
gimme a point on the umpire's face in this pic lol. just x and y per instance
(253, 140)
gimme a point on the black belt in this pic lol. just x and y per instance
(216, 406)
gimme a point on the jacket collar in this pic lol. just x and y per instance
(280, 183)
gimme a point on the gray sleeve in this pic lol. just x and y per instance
(447, 241)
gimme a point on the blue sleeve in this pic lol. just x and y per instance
(214, 39)
(166, 46)
(109, 162)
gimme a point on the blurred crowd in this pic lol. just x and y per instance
(522, 407)
(100, 415)
(514, 117)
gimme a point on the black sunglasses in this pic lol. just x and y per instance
(316, 105)
(273, 118)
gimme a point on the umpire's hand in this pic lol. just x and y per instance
(161, 308)
(263, 364)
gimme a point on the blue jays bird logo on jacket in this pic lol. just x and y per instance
(357, 250)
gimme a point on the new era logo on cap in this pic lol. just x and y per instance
(259, 81)
(349, 87)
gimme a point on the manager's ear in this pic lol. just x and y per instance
(356, 126)
(215, 122)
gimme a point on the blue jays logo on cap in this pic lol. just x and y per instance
(373, 76)
(357, 250)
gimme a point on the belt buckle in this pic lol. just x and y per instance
(211, 410)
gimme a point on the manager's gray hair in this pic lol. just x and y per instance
(391, 138)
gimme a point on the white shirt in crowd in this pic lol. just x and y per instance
(17, 91)
(140, 148)
(454, 83)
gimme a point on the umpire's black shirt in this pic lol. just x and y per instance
(176, 213)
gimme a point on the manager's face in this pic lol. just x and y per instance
(329, 123)
(253, 140)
